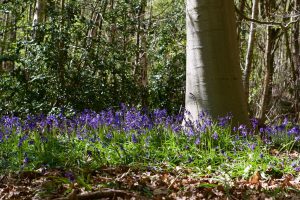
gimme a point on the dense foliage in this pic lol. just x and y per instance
(76, 60)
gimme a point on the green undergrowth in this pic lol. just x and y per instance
(216, 152)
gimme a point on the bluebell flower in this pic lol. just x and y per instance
(285, 121)
(208, 122)
(294, 164)
(134, 138)
(26, 159)
(261, 130)
(190, 132)
(297, 169)
(280, 128)
(243, 130)
(223, 152)
(261, 155)
(252, 146)
(234, 129)
(215, 136)
(109, 136)
(254, 122)
(176, 128)
(269, 130)
(197, 142)
(202, 115)
(21, 140)
(295, 130)
(224, 121)
(70, 176)
(89, 153)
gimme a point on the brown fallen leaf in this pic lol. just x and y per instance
(286, 182)
(255, 178)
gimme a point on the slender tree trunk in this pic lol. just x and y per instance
(62, 56)
(38, 19)
(141, 62)
(270, 48)
(268, 77)
(249, 55)
(296, 57)
(4, 42)
(239, 20)
(213, 74)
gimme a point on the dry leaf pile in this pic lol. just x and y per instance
(129, 183)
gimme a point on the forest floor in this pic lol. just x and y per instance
(125, 182)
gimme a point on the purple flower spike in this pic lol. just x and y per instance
(134, 138)
(254, 122)
(252, 146)
(261, 155)
(70, 176)
(197, 142)
(294, 131)
(109, 136)
(215, 136)
(26, 160)
(297, 169)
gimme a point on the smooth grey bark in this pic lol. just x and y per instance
(249, 54)
(213, 74)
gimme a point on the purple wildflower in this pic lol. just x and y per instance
(176, 128)
(215, 136)
(26, 159)
(294, 164)
(22, 139)
(252, 146)
(70, 176)
(297, 169)
(295, 130)
(89, 153)
(109, 136)
(243, 130)
(224, 121)
(254, 122)
(190, 159)
(261, 155)
(134, 138)
(197, 142)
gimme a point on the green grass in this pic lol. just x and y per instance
(238, 157)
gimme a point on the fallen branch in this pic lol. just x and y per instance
(105, 193)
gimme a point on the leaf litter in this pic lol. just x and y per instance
(134, 183)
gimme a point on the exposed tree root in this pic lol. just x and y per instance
(105, 193)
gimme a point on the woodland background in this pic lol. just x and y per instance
(75, 54)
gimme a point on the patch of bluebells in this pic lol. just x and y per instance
(129, 121)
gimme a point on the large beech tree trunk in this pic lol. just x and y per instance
(213, 74)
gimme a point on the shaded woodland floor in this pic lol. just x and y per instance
(125, 182)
